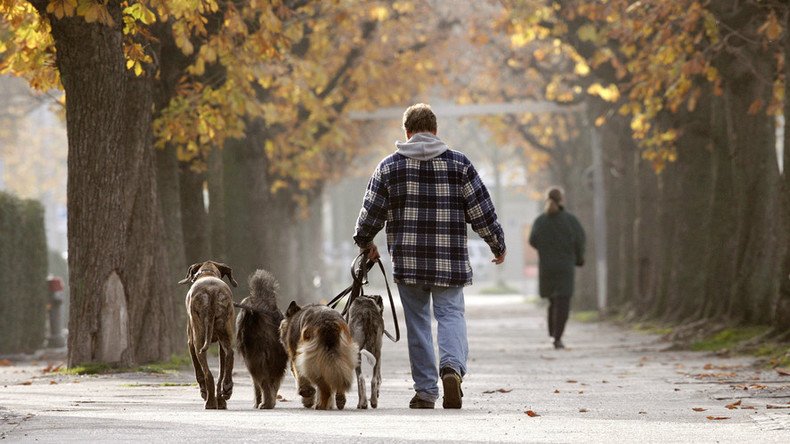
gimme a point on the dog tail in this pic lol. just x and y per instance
(264, 287)
(208, 325)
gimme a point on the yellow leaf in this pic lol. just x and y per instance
(755, 107)
(129, 64)
(587, 33)
(581, 68)
(771, 28)
(138, 69)
(380, 13)
(609, 93)
(62, 8)
(600, 121)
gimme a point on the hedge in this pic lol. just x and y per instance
(23, 274)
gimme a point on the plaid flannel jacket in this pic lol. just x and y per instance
(426, 205)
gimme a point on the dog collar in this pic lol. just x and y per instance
(199, 273)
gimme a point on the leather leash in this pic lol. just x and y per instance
(356, 290)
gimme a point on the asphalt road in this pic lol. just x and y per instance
(610, 385)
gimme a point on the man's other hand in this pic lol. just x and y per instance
(372, 252)
(499, 259)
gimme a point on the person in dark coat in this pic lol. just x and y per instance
(559, 238)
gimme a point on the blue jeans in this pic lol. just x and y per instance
(448, 308)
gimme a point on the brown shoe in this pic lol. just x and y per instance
(419, 403)
(451, 384)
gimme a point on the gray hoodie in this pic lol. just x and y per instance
(422, 146)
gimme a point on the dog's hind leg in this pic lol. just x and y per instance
(324, 396)
(225, 383)
(223, 369)
(363, 399)
(269, 395)
(375, 384)
(257, 386)
(211, 400)
(306, 391)
(199, 376)
(340, 400)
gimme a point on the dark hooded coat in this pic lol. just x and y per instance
(559, 239)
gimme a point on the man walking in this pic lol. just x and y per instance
(426, 193)
(559, 238)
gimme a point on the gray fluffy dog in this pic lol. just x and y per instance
(258, 338)
(367, 327)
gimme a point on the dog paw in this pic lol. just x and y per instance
(307, 401)
(374, 404)
(227, 391)
(211, 405)
(306, 392)
(221, 404)
(265, 406)
(340, 401)
(362, 405)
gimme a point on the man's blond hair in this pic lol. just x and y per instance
(419, 118)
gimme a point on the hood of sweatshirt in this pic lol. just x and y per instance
(422, 146)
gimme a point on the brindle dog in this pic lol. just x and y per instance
(209, 304)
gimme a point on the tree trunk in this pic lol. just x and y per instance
(311, 253)
(194, 218)
(721, 266)
(216, 209)
(119, 272)
(756, 184)
(169, 193)
(782, 311)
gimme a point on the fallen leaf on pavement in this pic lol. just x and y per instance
(583, 410)
(717, 418)
(748, 407)
(571, 381)
(734, 405)
(556, 391)
(53, 382)
(643, 413)
(50, 369)
(782, 371)
(773, 406)
(698, 409)
(6, 363)
(531, 414)
(499, 390)
(26, 383)
(581, 392)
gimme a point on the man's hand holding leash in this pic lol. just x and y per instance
(372, 251)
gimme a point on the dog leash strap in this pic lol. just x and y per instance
(392, 305)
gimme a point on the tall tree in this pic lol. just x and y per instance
(120, 309)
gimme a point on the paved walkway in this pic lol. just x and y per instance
(611, 385)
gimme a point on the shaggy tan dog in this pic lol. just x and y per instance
(322, 353)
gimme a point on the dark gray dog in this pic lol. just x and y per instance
(367, 328)
(258, 338)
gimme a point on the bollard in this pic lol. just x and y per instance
(55, 339)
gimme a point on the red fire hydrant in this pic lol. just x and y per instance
(55, 339)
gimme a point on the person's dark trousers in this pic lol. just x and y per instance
(559, 308)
